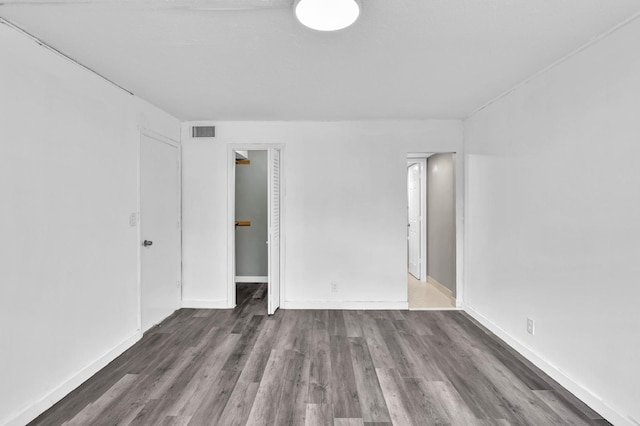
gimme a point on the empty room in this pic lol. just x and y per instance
(320, 212)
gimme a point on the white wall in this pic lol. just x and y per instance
(69, 145)
(344, 209)
(553, 225)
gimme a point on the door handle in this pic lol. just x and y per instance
(147, 243)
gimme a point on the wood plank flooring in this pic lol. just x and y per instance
(342, 368)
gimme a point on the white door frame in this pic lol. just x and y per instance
(166, 140)
(423, 214)
(231, 213)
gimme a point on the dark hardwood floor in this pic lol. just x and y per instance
(236, 367)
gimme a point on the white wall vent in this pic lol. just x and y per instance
(203, 131)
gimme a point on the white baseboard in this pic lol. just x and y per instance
(56, 394)
(205, 304)
(254, 279)
(585, 395)
(443, 288)
(344, 304)
(436, 309)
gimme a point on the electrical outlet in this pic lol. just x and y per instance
(531, 326)
(133, 219)
(334, 287)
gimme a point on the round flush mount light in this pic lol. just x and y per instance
(327, 15)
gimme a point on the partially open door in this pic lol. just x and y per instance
(414, 231)
(274, 231)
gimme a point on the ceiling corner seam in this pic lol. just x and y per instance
(59, 53)
(554, 64)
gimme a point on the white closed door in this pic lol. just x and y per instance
(273, 294)
(159, 221)
(414, 220)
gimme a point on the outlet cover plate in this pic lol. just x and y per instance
(531, 326)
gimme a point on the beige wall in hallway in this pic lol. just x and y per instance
(441, 220)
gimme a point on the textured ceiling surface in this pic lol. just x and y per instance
(252, 60)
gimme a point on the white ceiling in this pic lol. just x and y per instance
(251, 59)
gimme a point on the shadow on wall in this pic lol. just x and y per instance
(441, 220)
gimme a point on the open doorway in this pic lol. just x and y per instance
(431, 230)
(254, 218)
(251, 206)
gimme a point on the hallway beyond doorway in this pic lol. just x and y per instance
(427, 295)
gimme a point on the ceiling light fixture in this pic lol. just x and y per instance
(327, 15)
